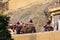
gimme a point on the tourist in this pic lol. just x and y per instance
(11, 31)
(24, 30)
(48, 26)
(31, 27)
(18, 28)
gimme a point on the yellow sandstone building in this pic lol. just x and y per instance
(15, 4)
(3, 6)
(54, 10)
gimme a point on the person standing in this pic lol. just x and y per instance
(48, 26)
(31, 27)
(18, 28)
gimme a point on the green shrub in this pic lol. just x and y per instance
(4, 33)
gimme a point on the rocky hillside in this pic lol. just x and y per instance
(35, 12)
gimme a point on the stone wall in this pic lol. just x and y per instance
(38, 36)
(35, 12)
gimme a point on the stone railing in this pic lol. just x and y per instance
(38, 36)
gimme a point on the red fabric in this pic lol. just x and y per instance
(48, 27)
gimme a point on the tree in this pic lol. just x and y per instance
(4, 33)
